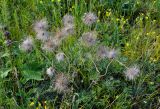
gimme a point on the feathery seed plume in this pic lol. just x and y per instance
(102, 52)
(60, 56)
(89, 18)
(27, 45)
(67, 30)
(132, 72)
(43, 36)
(41, 25)
(68, 20)
(51, 44)
(89, 38)
(61, 83)
(112, 53)
(50, 72)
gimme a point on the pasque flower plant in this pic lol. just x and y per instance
(64, 54)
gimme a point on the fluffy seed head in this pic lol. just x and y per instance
(89, 38)
(50, 72)
(132, 72)
(60, 56)
(67, 30)
(112, 53)
(41, 25)
(102, 52)
(61, 83)
(27, 44)
(51, 44)
(58, 34)
(42, 35)
(68, 20)
(89, 18)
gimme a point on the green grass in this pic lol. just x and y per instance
(132, 26)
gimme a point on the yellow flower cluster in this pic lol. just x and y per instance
(39, 105)
(108, 13)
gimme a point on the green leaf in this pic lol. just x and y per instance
(5, 55)
(31, 75)
(5, 73)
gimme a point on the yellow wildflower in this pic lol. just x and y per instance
(108, 13)
(154, 20)
(137, 37)
(45, 107)
(127, 44)
(146, 17)
(31, 104)
(98, 20)
(153, 33)
(73, 7)
(117, 19)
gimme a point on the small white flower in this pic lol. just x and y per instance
(111, 78)
(89, 18)
(60, 57)
(27, 44)
(68, 20)
(50, 71)
(132, 72)
(145, 102)
(41, 25)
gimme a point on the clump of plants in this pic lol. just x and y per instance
(79, 54)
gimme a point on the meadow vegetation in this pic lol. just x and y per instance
(79, 54)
